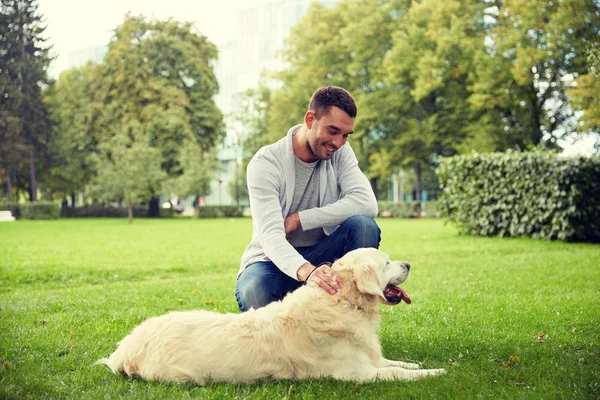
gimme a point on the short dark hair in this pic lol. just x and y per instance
(326, 97)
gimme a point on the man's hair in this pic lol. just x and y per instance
(326, 97)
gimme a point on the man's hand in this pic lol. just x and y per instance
(323, 277)
(291, 223)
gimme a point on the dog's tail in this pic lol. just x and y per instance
(110, 363)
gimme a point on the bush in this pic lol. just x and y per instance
(220, 211)
(522, 194)
(39, 210)
(407, 209)
(107, 211)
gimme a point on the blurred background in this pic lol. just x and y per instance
(160, 105)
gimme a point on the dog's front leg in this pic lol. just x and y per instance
(391, 363)
(399, 374)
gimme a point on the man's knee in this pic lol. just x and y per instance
(251, 292)
(364, 230)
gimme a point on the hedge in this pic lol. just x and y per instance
(39, 210)
(535, 194)
(220, 211)
(106, 211)
(407, 209)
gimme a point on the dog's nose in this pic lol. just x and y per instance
(407, 266)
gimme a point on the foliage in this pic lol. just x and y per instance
(142, 120)
(130, 173)
(66, 302)
(523, 194)
(533, 51)
(75, 112)
(220, 211)
(253, 116)
(24, 119)
(407, 209)
(108, 211)
(39, 210)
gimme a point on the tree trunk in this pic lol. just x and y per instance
(9, 187)
(418, 210)
(419, 172)
(130, 210)
(73, 199)
(32, 179)
(196, 207)
(153, 208)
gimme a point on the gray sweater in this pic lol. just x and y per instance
(344, 192)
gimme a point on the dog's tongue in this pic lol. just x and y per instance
(395, 291)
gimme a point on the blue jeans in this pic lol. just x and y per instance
(262, 282)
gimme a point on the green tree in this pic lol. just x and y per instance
(74, 144)
(428, 69)
(199, 170)
(131, 172)
(157, 90)
(585, 94)
(534, 49)
(24, 60)
(253, 113)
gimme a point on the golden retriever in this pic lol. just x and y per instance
(309, 334)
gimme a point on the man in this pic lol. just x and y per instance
(310, 205)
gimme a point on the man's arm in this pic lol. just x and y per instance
(264, 189)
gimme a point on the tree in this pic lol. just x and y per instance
(585, 95)
(253, 116)
(199, 168)
(157, 90)
(131, 172)
(74, 145)
(534, 50)
(24, 61)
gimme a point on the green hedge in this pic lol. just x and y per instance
(39, 210)
(220, 211)
(407, 209)
(106, 211)
(522, 194)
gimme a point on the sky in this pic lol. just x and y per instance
(78, 24)
(74, 25)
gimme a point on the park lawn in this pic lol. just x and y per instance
(508, 318)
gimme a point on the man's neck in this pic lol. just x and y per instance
(300, 145)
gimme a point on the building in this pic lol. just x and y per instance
(262, 34)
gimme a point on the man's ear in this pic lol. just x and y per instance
(309, 118)
(368, 279)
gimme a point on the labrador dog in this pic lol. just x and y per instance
(309, 334)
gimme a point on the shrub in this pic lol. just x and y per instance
(220, 211)
(407, 209)
(522, 194)
(107, 211)
(39, 210)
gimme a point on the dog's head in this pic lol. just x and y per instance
(376, 275)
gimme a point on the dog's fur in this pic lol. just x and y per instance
(309, 334)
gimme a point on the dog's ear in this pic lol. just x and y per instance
(368, 279)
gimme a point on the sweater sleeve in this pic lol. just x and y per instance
(356, 196)
(265, 184)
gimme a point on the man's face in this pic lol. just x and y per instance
(328, 133)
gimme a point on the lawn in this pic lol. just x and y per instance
(508, 318)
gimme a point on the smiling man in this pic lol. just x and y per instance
(310, 204)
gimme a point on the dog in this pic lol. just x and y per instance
(308, 334)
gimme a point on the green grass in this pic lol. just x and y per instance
(71, 289)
